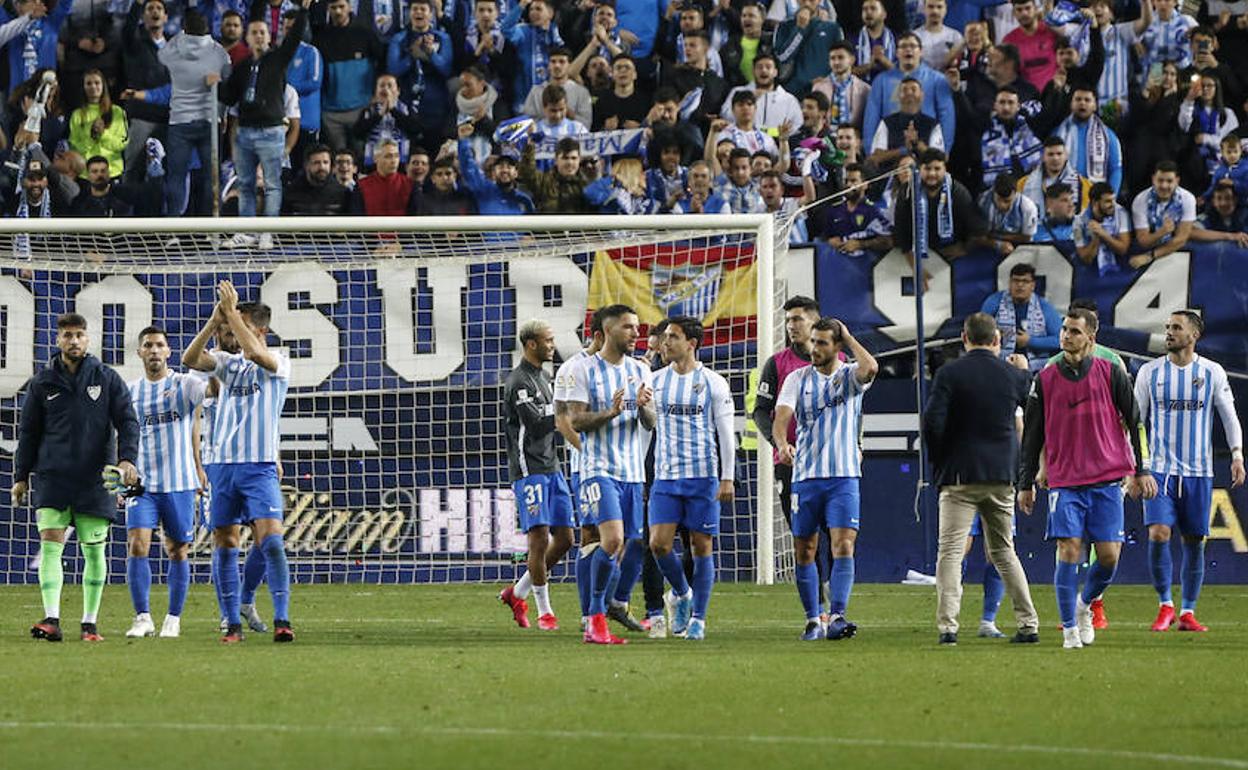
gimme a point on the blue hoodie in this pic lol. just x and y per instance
(48, 32)
(491, 199)
(304, 75)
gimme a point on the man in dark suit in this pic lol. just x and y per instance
(970, 430)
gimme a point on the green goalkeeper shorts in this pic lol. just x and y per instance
(91, 529)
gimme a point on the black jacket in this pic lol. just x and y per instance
(267, 107)
(141, 68)
(66, 435)
(302, 198)
(969, 421)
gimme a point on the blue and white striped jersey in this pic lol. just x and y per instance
(1115, 80)
(694, 434)
(207, 415)
(618, 448)
(828, 412)
(1178, 402)
(1167, 40)
(249, 408)
(564, 380)
(166, 412)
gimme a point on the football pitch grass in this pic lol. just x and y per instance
(439, 676)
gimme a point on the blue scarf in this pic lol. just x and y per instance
(1158, 210)
(944, 211)
(1009, 221)
(1007, 322)
(1096, 150)
(543, 41)
(31, 43)
(887, 41)
(1005, 151)
(1106, 260)
(841, 109)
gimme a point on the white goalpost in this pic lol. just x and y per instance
(401, 331)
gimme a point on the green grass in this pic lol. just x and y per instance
(437, 676)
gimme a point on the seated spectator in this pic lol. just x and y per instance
(667, 181)
(443, 198)
(1057, 226)
(580, 106)
(98, 198)
(346, 168)
(876, 51)
(316, 192)
(1165, 39)
(353, 54)
(1093, 147)
(907, 131)
(386, 118)
(1206, 121)
(693, 74)
(1224, 220)
(857, 226)
(418, 167)
(1231, 166)
(1008, 144)
(742, 131)
(98, 127)
(622, 105)
(739, 189)
(624, 191)
(1028, 323)
(774, 107)
(496, 192)
(941, 44)
(385, 192)
(1054, 167)
(1163, 216)
(533, 42)
(36, 198)
(802, 44)
(846, 92)
(1036, 44)
(953, 219)
(560, 190)
(885, 90)
(1012, 217)
(1102, 232)
(701, 197)
(421, 59)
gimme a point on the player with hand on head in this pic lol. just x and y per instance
(542, 495)
(610, 403)
(825, 399)
(245, 487)
(694, 464)
(1177, 395)
(65, 440)
(1076, 413)
(165, 403)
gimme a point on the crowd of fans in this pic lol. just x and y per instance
(1111, 128)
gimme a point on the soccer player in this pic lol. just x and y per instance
(245, 485)
(825, 400)
(165, 403)
(65, 440)
(1076, 411)
(611, 406)
(1177, 395)
(542, 494)
(694, 464)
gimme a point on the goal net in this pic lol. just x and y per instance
(401, 332)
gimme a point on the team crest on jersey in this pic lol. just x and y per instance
(94, 392)
(685, 289)
(697, 387)
(1197, 383)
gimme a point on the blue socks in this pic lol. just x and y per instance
(1193, 573)
(225, 572)
(994, 590)
(1161, 565)
(253, 572)
(703, 580)
(840, 584)
(807, 576)
(674, 572)
(179, 579)
(1066, 587)
(584, 571)
(278, 574)
(630, 570)
(1099, 578)
(139, 578)
(602, 570)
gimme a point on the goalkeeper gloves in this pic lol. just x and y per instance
(113, 477)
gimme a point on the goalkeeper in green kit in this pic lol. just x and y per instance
(76, 423)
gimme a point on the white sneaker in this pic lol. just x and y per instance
(252, 618)
(989, 630)
(142, 626)
(658, 627)
(1070, 639)
(225, 625)
(266, 242)
(1083, 621)
(171, 628)
(239, 241)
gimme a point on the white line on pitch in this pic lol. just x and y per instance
(582, 735)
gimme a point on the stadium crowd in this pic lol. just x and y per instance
(1111, 128)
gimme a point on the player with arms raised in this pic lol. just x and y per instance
(245, 487)
(826, 401)
(165, 403)
(542, 494)
(694, 463)
(1177, 395)
(610, 403)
